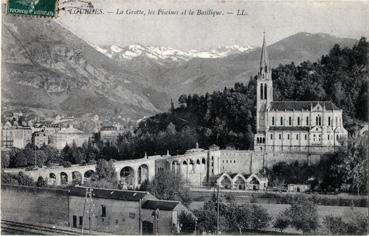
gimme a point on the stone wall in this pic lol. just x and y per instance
(249, 162)
(34, 205)
(268, 159)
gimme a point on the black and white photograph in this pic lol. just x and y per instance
(169, 117)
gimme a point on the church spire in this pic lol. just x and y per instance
(264, 60)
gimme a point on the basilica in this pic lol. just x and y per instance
(294, 126)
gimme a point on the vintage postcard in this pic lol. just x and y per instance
(184, 117)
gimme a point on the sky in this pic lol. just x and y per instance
(279, 19)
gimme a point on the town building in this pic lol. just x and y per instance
(123, 212)
(109, 133)
(68, 136)
(294, 126)
(40, 138)
(242, 181)
(15, 136)
(7, 136)
(298, 188)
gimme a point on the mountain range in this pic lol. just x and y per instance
(165, 55)
(48, 70)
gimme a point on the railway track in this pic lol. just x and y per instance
(12, 227)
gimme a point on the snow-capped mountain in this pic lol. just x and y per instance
(166, 53)
(60, 73)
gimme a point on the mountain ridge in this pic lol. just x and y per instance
(49, 70)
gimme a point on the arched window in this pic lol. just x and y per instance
(329, 121)
(297, 137)
(320, 120)
(280, 136)
(261, 91)
(265, 91)
(271, 136)
(307, 120)
(281, 120)
(316, 121)
(298, 120)
(263, 140)
(289, 120)
(288, 136)
(272, 120)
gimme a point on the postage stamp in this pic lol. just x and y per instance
(45, 8)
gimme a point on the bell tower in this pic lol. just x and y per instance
(264, 92)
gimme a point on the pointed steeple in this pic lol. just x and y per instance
(264, 60)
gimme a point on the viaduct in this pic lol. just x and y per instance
(130, 173)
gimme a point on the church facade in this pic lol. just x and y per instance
(294, 126)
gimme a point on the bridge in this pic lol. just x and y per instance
(130, 173)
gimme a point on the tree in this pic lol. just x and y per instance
(20, 160)
(281, 222)
(17, 179)
(207, 220)
(5, 159)
(66, 164)
(169, 186)
(66, 153)
(238, 218)
(52, 154)
(303, 215)
(352, 222)
(356, 163)
(357, 223)
(29, 153)
(187, 222)
(41, 158)
(7, 178)
(105, 170)
(105, 175)
(335, 225)
(41, 182)
(259, 217)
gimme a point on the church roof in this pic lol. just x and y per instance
(289, 128)
(301, 105)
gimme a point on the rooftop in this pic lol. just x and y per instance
(109, 127)
(301, 105)
(70, 130)
(163, 205)
(289, 128)
(123, 195)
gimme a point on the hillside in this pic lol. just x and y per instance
(49, 70)
(48, 67)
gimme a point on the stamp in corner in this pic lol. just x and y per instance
(43, 8)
